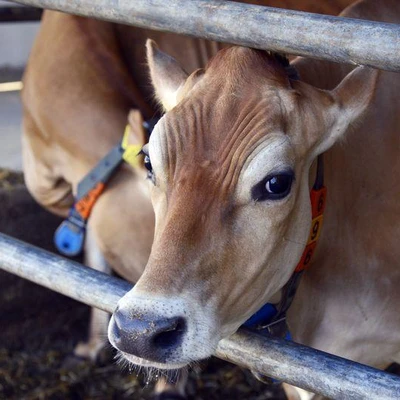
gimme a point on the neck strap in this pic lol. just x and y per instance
(70, 235)
(270, 314)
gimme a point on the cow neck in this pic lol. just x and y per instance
(272, 317)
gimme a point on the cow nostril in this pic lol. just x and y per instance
(116, 331)
(170, 336)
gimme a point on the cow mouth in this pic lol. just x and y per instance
(141, 362)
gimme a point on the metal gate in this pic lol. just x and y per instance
(331, 38)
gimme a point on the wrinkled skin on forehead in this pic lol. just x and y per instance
(218, 248)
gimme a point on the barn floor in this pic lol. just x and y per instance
(39, 329)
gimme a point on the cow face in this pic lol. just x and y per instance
(229, 169)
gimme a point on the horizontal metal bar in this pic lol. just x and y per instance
(310, 369)
(61, 275)
(5, 3)
(11, 86)
(331, 38)
(17, 13)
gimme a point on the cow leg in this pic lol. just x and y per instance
(99, 318)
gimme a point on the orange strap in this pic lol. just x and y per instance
(85, 204)
(318, 200)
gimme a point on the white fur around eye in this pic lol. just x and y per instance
(273, 155)
(156, 150)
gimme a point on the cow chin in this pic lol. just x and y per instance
(141, 362)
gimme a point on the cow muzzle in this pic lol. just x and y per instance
(160, 332)
(152, 337)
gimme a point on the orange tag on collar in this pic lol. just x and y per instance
(318, 200)
(306, 257)
(85, 204)
(316, 226)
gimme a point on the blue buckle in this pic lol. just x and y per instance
(261, 321)
(262, 317)
(69, 237)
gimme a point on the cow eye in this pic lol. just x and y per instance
(273, 187)
(147, 162)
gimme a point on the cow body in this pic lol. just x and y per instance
(347, 301)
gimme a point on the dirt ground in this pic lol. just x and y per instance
(39, 329)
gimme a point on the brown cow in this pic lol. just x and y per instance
(89, 74)
(230, 171)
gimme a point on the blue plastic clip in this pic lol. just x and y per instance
(263, 316)
(69, 237)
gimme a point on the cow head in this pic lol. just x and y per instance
(229, 169)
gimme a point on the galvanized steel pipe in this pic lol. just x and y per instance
(310, 369)
(331, 38)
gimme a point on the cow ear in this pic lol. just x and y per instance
(166, 75)
(351, 99)
(137, 133)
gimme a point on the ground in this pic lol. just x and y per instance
(39, 329)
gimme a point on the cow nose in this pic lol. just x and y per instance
(153, 338)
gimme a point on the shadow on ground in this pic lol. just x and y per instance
(39, 329)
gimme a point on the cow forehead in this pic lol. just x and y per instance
(196, 145)
(242, 98)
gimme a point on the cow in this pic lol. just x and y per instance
(230, 165)
(82, 79)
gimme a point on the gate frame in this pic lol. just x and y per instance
(345, 40)
(336, 39)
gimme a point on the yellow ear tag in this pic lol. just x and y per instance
(131, 151)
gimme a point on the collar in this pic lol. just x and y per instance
(70, 235)
(272, 317)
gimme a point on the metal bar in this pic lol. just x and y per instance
(61, 275)
(16, 13)
(331, 38)
(11, 86)
(310, 369)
